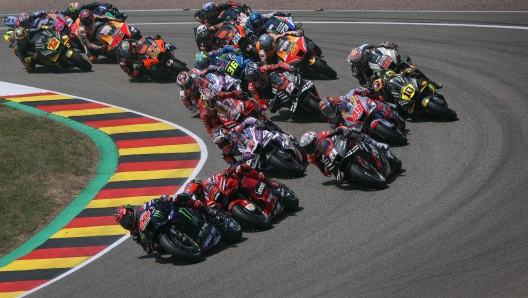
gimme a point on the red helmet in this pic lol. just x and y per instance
(125, 216)
(356, 58)
(86, 17)
(184, 80)
(221, 138)
(196, 188)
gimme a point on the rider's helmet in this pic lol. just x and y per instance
(309, 142)
(252, 72)
(209, 98)
(126, 50)
(266, 42)
(125, 216)
(202, 60)
(21, 36)
(24, 20)
(184, 80)
(221, 138)
(203, 34)
(86, 17)
(209, 10)
(255, 20)
(195, 187)
(380, 87)
(75, 9)
(356, 58)
(328, 107)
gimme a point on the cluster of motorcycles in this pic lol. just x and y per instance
(261, 144)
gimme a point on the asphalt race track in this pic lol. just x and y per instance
(452, 224)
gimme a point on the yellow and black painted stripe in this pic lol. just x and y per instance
(142, 158)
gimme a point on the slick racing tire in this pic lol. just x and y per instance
(313, 105)
(233, 232)
(80, 62)
(317, 50)
(441, 111)
(250, 219)
(289, 167)
(390, 135)
(364, 176)
(188, 251)
(323, 68)
(178, 67)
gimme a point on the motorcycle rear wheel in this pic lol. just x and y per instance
(440, 111)
(289, 167)
(391, 135)
(366, 177)
(80, 62)
(323, 68)
(190, 252)
(249, 219)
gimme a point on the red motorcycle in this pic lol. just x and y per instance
(233, 111)
(252, 203)
(299, 51)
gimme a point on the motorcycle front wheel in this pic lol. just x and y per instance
(440, 111)
(290, 167)
(362, 175)
(323, 68)
(250, 219)
(178, 67)
(391, 135)
(184, 249)
(80, 62)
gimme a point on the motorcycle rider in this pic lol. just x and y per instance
(259, 85)
(255, 22)
(127, 55)
(204, 37)
(86, 29)
(336, 110)
(25, 19)
(203, 59)
(317, 148)
(359, 57)
(240, 173)
(75, 8)
(230, 143)
(193, 196)
(22, 46)
(208, 107)
(266, 45)
(210, 11)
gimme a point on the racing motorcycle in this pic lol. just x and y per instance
(222, 83)
(55, 22)
(236, 35)
(234, 13)
(185, 233)
(252, 203)
(55, 50)
(233, 111)
(276, 147)
(360, 161)
(294, 92)
(112, 33)
(159, 57)
(376, 119)
(299, 52)
(281, 24)
(234, 65)
(415, 96)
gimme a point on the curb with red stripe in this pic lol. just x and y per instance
(141, 158)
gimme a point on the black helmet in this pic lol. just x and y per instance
(266, 42)
(86, 17)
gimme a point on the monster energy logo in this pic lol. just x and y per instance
(189, 215)
(159, 214)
